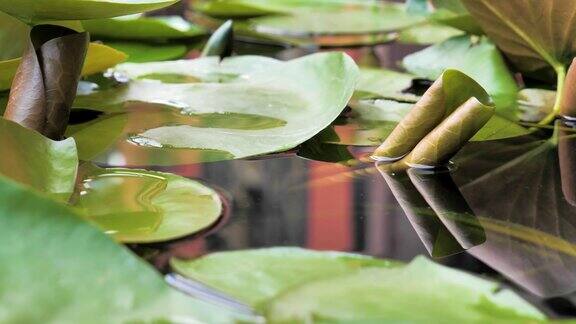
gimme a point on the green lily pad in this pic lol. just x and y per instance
(385, 84)
(142, 28)
(391, 295)
(242, 107)
(58, 262)
(463, 54)
(38, 162)
(428, 34)
(143, 53)
(50, 10)
(256, 276)
(322, 23)
(145, 206)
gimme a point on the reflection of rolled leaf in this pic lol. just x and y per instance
(451, 135)
(443, 195)
(221, 42)
(45, 85)
(567, 157)
(448, 93)
(568, 106)
(434, 235)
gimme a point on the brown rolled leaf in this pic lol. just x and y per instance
(446, 95)
(451, 135)
(567, 159)
(568, 103)
(442, 194)
(425, 115)
(432, 232)
(45, 85)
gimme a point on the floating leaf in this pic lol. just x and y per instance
(386, 84)
(257, 276)
(142, 28)
(517, 27)
(62, 255)
(461, 53)
(389, 294)
(221, 42)
(452, 90)
(428, 34)
(143, 53)
(146, 207)
(50, 10)
(38, 162)
(243, 107)
(323, 23)
(45, 84)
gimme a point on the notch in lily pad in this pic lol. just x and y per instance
(449, 114)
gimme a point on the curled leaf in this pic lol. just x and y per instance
(448, 93)
(45, 84)
(221, 42)
(451, 135)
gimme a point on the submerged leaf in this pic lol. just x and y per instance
(50, 10)
(242, 107)
(65, 257)
(462, 54)
(142, 28)
(452, 90)
(257, 276)
(144, 206)
(38, 162)
(389, 295)
(46, 81)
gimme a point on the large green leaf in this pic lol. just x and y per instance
(533, 34)
(43, 10)
(72, 273)
(256, 276)
(14, 33)
(421, 292)
(142, 53)
(463, 54)
(144, 206)
(427, 34)
(242, 107)
(142, 28)
(36, 161)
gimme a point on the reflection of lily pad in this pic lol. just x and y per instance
(256, 276)
(34, 160)
(72, 273)
(144, 206)
(383, 295)
(245, 106)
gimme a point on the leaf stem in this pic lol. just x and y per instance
(561, 80)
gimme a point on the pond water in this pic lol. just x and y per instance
(505, 209)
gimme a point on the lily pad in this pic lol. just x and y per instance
(390, 294)
(55, 270)
(244, 106)
(145, 206)
(428, 34)
(143, 53)
(50, 10)
(38, 162)
(142, 28)
(256, 276)
(463, 54)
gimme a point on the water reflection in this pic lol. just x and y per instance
(511, 208)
